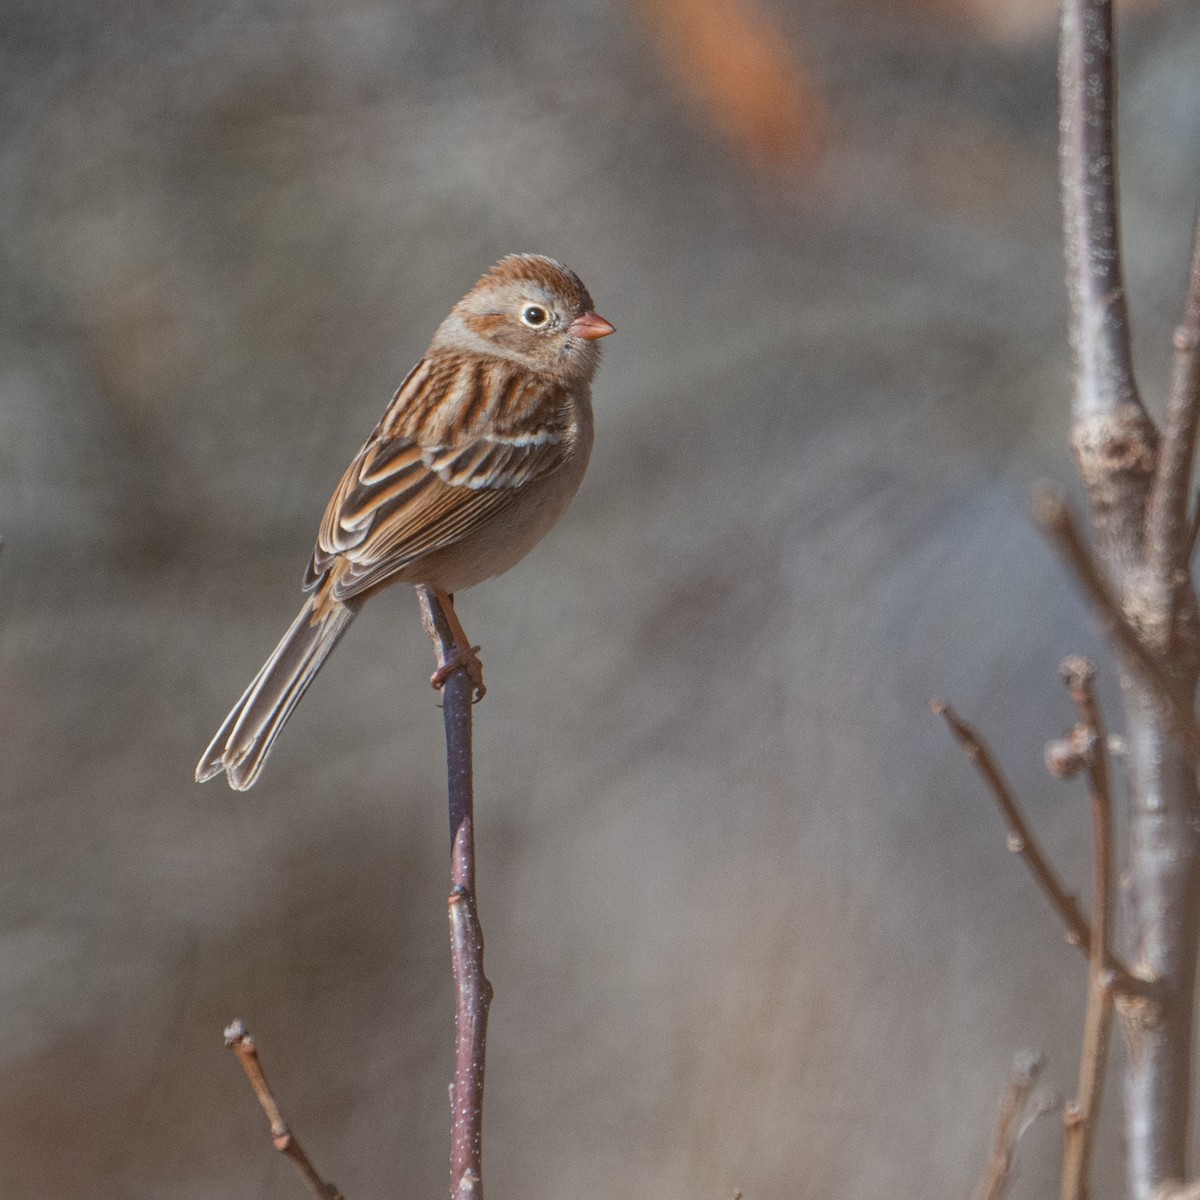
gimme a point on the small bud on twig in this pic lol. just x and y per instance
(1063, 759)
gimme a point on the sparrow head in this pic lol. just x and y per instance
(532, 310)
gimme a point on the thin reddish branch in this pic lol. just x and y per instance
(1091, 217)
(473, 992)
(1081, 1115)
(474, 996)
(1059, 526)
(1022, 841)
(1011, 1122)
(238, 1039)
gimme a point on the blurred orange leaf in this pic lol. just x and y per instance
(738, 70)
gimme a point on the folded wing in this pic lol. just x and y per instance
(399, 501)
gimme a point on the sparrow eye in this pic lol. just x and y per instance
(534, 315)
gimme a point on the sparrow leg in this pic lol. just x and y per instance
(461, 654)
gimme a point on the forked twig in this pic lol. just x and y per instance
(1022, 841)
(1081, 1115)
(238, 1039)
(1011, 1123)
(473, 992)
(1059, 526)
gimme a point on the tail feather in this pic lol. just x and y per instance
(245, 738)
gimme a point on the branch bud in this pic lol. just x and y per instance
(1064, 757)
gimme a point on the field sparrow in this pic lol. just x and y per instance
(476, 457)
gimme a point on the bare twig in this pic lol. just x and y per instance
(1057, 523)
(1022, 841)
(473, 992)
(1021, 838)
(1091, 219)
(238, 1039)
(1010, 1124)
(1170, 531)
(1081, 1115)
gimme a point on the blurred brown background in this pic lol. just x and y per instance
(749, 916)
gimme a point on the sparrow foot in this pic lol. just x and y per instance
(462, 656)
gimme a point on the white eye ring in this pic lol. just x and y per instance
(535, 316)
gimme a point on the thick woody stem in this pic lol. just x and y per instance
(1022, 841)
(1082, 1114)
(1149, 610)
(1113, 437)
(473, 992)
(1162, 882)
(1165, 840)
(1162, 915)
(238, 1039)
(1091, 219)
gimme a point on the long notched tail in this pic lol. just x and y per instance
(245, 739)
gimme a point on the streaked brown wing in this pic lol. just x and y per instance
(496, 462)
(379, 469)
(399, 501)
